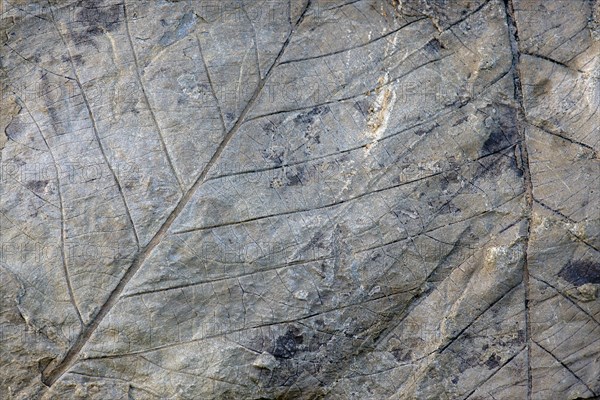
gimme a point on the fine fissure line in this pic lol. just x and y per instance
(513, 34)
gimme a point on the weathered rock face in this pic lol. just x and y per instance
(308, 199)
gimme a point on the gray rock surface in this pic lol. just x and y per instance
(359, 199)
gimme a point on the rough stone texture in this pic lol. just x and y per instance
(308, 199)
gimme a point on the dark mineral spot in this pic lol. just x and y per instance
(269, 127)
(424, 131)
(496, 141)
(449, 208)
(493, 362)
(312, 137)
(37, 186)
(402, 355)
(77, 59)
(309, 117)
(502, 128)
(99, 18)
(581, 272)
(497, 155)
(184, 27)
(434, 46)
(286, 345)
(294, 178)
(542, 87)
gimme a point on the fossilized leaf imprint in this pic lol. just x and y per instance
(300, 199)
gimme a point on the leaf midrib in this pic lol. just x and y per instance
(51, 375)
